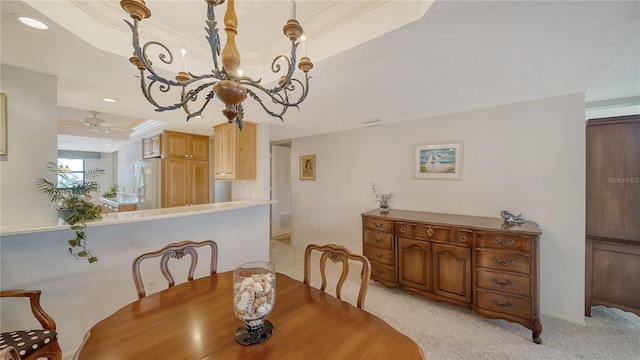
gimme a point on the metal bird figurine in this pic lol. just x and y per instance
(510, 218)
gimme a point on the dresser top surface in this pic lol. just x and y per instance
(476, 222)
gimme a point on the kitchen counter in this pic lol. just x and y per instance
(118, 204)
(240, 228)
(134, 216)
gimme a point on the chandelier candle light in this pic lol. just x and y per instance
(225, 83)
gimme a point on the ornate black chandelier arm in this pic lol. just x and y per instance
(141, 54)
(288, 89)
(255, 97)
(198, 113)
(212, 34)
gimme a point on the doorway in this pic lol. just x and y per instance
(280, 190)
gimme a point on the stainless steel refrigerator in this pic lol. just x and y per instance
(147, 175)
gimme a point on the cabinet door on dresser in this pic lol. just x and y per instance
(414, 263)
(452, 271)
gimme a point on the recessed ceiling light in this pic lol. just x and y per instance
(109, 100)
(34, 23)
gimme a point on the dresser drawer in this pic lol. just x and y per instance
(378, 224)
(424, 231)
(379, 255)
(377, 239)
(462, 236)
(504, 260)
(504, 303)
(503, 241)
(504, 282)
(384, 273)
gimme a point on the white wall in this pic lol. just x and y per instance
(527, 158)
(280, 190)
(31, 104)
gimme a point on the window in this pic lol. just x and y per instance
(70, 172)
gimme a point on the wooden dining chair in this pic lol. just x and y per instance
(338, 253)
(9, 353)
(32, 343)
(177, 251)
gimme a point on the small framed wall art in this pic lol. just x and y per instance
(440, 161)
(307, 167)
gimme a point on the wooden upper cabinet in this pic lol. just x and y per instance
(176, 145)
(152, 146)
(185, 146)
(234, 156)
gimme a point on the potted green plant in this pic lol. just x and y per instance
(112, 193)
(72, 194)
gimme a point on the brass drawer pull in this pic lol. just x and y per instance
(509, 242)
(378, 240)
(378, 224)
(403, 229)
(508, 305)
(379, 255)
(462, 238)
(507, 262)
(504, 284)
(429, 231)
(379, 271)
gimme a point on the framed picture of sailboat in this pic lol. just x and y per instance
(439, 161)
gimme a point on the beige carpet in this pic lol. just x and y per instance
(446, 331)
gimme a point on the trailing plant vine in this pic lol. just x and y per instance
(72, 196)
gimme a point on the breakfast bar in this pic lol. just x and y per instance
(78, 294)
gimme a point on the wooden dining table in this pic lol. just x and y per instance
(195, 321)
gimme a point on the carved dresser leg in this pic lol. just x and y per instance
(537, 329)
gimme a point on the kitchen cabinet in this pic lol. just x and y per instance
(152, 146)
(477, 262)
(184, 182)
(234, 151)
(184, 167)
(177, 145)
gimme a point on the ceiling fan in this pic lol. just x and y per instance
(95, 124)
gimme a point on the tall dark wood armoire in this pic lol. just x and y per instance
(613, 213)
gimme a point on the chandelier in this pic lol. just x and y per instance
(224, 82)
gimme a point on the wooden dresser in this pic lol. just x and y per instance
(478, 262)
